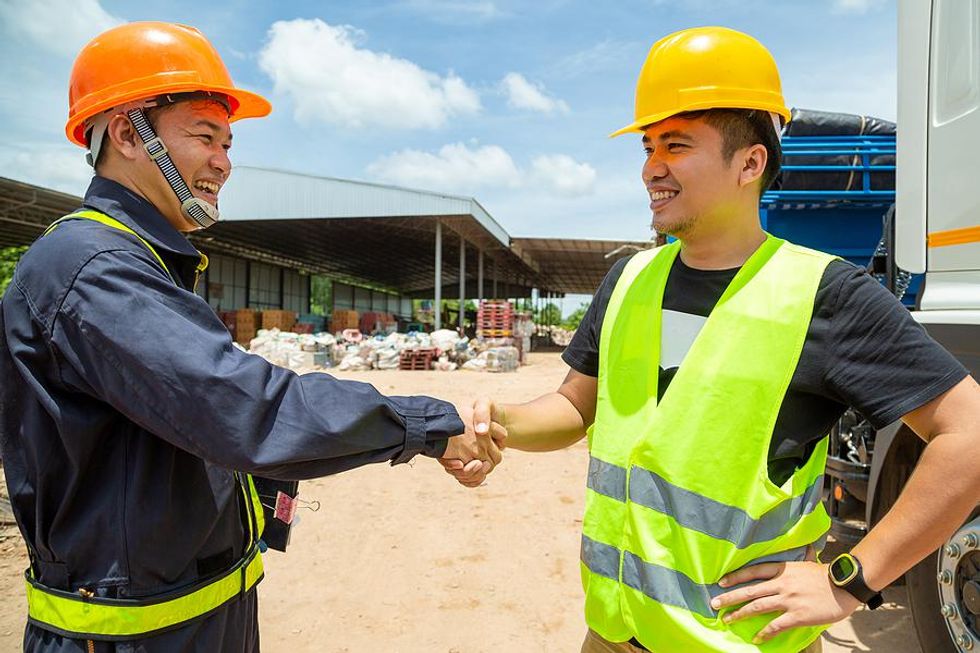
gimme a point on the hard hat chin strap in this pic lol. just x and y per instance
(777, 124)
(194, 208)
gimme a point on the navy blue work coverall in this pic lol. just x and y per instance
(125, 407)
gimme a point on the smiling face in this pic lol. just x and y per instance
(690, 183)
(198, 138)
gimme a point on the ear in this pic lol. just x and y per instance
(753, 163)
(123, 137)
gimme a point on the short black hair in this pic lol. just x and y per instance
(744, 128)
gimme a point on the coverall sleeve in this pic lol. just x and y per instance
(161, 357)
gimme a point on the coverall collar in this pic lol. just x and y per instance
(121, 203)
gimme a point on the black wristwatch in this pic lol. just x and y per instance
(845, 572)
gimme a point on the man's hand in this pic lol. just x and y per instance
(471, 456)
(800, 591)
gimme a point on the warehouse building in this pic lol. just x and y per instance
(378, 247)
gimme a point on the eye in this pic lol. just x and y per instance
(648, 151)
(674, 147)
(207, 138)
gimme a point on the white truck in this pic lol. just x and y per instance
(937, 232)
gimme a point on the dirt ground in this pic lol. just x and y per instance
(404, 560)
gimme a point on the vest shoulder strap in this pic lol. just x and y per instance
(97, 216)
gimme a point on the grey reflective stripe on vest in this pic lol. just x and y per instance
(600, 558)
(608, 479)
(661, 584)
(700, 513)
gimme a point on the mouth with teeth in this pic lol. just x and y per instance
(660, 198)
(209, 190)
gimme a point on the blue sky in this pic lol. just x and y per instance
(510, 102)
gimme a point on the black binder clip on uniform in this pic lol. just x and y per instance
(280, 501)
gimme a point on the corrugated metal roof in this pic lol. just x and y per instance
(575, 265)
(26, 210)
(356, 231)
(267, 194)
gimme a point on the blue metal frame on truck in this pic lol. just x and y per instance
(837, 198)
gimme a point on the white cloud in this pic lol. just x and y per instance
(455, 168)
(563, 175)
(458, 168)
(59, 26)
(856, 6)
(522, 94)
(331, 79)
(52, 166)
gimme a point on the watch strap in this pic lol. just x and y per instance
(857, 587)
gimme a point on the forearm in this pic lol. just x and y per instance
(548, 423)
(182, 380)
(937, 499)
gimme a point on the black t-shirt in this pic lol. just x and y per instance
(862, 349)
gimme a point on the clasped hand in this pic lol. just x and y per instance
(474, 454)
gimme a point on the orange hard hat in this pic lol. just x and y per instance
(144, 60)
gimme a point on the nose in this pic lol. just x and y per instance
(654, 168)
(221, 162)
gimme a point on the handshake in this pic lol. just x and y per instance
(469, 457)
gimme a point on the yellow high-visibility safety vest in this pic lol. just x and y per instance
(88, 617)
(678, 491)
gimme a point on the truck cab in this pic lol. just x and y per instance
(905, 203)
(937, 234)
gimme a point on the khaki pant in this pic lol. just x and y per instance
(595, 644)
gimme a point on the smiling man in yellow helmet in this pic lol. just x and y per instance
(707, 373)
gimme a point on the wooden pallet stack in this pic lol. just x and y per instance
(417, 359)
(495, 319)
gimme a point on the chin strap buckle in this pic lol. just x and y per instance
(155, 148)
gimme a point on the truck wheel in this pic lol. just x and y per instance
(920, 582)
(946, 606)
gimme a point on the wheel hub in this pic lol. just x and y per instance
(959, 586)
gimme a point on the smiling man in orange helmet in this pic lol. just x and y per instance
(124, 405)
(707, 374)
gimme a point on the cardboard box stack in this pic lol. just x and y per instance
(246, 325)
(344, 319)
(282, 320)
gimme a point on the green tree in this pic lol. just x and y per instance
(550, 313)
(575, 318)
(8, 259)
(321, 299)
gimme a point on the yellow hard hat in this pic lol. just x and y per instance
(706, 68)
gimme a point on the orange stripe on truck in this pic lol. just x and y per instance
(954, 237)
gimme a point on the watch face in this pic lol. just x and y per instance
(843, 569)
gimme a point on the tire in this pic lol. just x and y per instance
(921, 583)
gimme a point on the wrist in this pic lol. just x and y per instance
(500, 414)
(870, 569)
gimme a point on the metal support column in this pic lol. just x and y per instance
(495, 294)
(479, 277)
(437, 302)
(462, 282)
